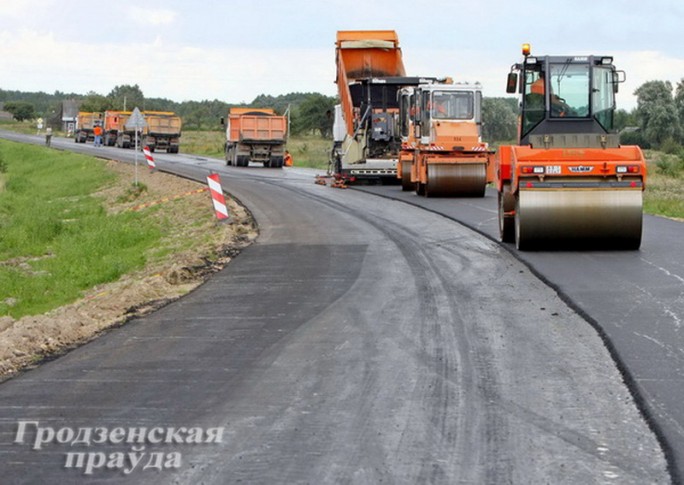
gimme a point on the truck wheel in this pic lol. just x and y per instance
(506, 224)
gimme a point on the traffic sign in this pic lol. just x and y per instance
(136, 121)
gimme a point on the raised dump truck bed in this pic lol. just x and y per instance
(370, 71)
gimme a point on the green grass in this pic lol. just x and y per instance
(664, 185)
(207, 143)
(56, 239)
(310, 151)
(26, 128)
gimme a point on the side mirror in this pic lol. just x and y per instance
(223, 120)
(618, 77)
(512, 82)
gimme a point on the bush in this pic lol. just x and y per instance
(634, 138)
(669, 165)
(670, 146)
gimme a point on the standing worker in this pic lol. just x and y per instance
(48, 136)
(288, 159)
(97, 131)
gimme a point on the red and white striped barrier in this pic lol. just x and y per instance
(217, 198)
(149, 158)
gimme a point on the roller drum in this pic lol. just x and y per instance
(456, 180)
(406, 176)
(596, 218)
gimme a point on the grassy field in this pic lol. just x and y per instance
(664, 193)
(207, 143)
(25, 127)
(57, 237)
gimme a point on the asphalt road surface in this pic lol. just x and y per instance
(359, 340)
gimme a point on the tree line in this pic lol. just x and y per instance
(308, 111)
(656, 122)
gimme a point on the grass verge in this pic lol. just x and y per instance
(58, 239)
(664, 194)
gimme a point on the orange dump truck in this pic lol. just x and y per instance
(370, 71)
(85, 122)
(255, 135)
(113, 124)
(163, 131)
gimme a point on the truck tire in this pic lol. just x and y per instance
(276, 162)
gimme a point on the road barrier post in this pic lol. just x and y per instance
(217, 197)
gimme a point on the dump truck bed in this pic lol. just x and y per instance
(86, 121)
(265, 128)
(363, 54)
(162, 123)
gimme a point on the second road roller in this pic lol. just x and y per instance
(568, 183)
(442, 149)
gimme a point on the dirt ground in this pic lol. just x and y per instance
(186, 207)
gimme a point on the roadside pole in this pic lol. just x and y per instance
(136, 157)
(136, 122)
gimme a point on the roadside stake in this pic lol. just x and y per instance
(217, 198)
(149, 158)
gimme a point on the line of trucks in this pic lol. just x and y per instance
(566, 181)
(162, 130)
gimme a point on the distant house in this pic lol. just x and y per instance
(69, 115)
(4, 115)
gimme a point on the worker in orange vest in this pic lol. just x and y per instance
(97, 131)
(288, 159)
(538, 86)
(558, 106)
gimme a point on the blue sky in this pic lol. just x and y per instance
(236, 50)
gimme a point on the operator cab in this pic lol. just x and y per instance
(442, 104)
(565, 94)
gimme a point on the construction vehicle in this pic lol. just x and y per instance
(407, 132)
(568, 182)
(445, 156)
(255, 135)
(113, 123)
(125, 137)
(163, 131)
(370, 72)
(85, 123)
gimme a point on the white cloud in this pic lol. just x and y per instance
(41, 62)
(22, 8)
(643, 66)
(151, 16)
